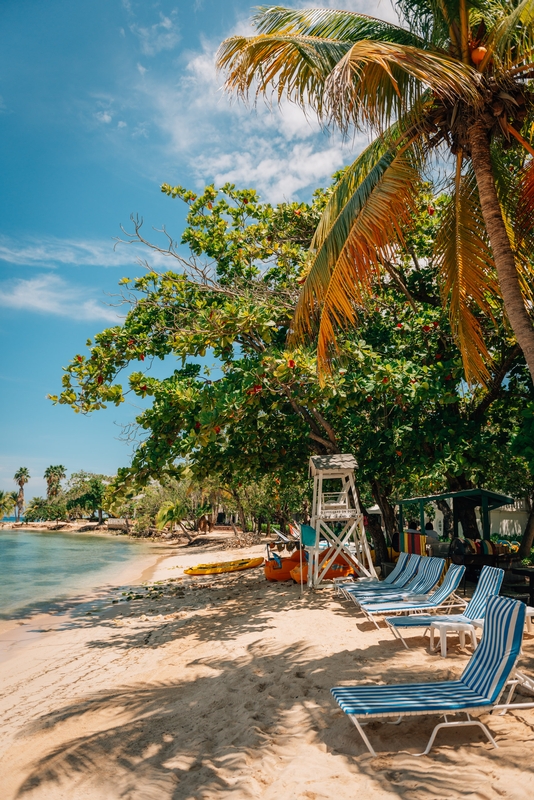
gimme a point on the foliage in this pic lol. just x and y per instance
(42, 510)
(53, 476)
(8, 503)
(453, 82)
(21, 478)
(398, 402)
(85, 494)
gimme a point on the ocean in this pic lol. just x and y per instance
(44, 570)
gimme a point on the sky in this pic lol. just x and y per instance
(100, 103)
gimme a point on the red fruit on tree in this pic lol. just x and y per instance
(245, 200)
(100, 379)
(431, 210)
(435, 323)
(438, 356)
(217, 429)
(142, 357)
(426, 328)
(298, 212)
(80, 359)
(197, 426)
(369, 399)
(399, 324)
(291, 364)
(448, 377)
(143, 388)
(399, 452)
(385, 380)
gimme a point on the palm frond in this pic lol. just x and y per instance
(525, 205)
(465, 261)
(512, 32)
(375, 201)
(376, 81)
(294, 65)
(346, 26)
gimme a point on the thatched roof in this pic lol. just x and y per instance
(341, 462)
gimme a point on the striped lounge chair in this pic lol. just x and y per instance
(394, 579)
(408, 576)
(489, 584)
(490, 669)
(373, 582)
(427, 577)
(429, 602)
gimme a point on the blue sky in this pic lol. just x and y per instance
(100, 103)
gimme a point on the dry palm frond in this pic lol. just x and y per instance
(296, 66)
(465, 262)
(525, 205)
(377, 80)
(353, 248)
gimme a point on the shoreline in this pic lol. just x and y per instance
(19, 631)
(140, 570)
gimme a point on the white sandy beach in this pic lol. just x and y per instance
(223, 692)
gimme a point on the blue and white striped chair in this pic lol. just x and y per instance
(430, 602)
(409, 574)
(368, 583)
(489, 584)
(490, 669)
(426, 579)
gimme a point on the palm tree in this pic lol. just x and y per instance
(7, 503)
(21, 478)
(53, 476)
(173, 513)
(453, 82)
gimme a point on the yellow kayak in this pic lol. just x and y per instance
(224, 566)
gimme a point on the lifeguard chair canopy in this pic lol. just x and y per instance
(335, 463)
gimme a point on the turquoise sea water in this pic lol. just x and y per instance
(41, 569)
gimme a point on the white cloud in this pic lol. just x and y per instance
(142, 70)
(121, 124)
(49, 294)
(163, 35)
(103, 116)
(48, 251)
(280, 151)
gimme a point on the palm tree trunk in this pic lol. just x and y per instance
(500, 243)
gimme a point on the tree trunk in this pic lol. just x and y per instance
(100, 518)
(381, 498)
(377, 535)
(528, 535)
(240, 511)
(446, 510)
(500, 243)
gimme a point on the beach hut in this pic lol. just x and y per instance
(336, 518)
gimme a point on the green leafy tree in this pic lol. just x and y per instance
(43, 510)
(453, 78)
(400, 403)
(86, 493)
(21, 478)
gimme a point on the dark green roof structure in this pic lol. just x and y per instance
(488, 501)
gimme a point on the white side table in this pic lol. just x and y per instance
(529, 616)
(443, 628)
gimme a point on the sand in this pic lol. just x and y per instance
(222, 692)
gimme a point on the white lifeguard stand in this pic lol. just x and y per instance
(340, 506)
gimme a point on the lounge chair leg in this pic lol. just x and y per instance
(447, 724)
(362, 734)
(397, 634)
